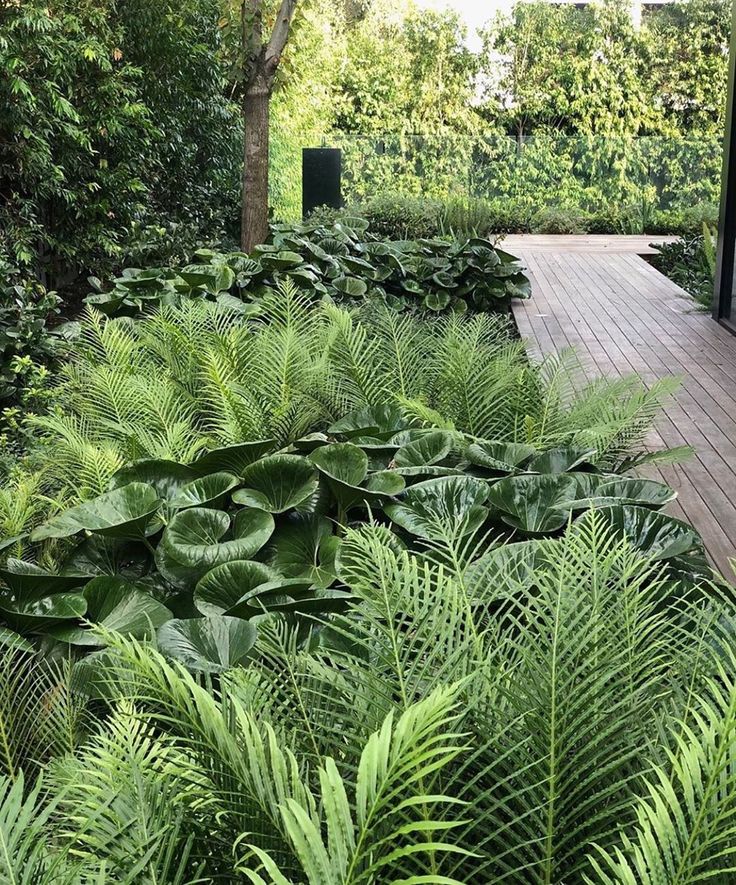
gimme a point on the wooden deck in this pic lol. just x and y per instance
(639, 244)
(622, 317)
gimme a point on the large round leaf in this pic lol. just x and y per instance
(428, 449)
(27, 579)
(342, 462)
(500, 457)
(192, 543)
(531, 502)
(122, 513)
(277, 483)
(640, 492)
(290, 597)
(38, 614)
(205, 491)
(440, 508)
(656, 535)
(98, 555)
(166, 477)
(225, 584)
(381, 421)
(208, 645)
(231, 459)
(305, 547)
(118, 605)
(351, 286)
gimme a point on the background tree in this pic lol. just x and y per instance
(260, 62)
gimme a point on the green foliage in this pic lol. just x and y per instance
(690, 262)
(28, 351)
(182, 541)
(566, 721)
(112, 116)
(342, 262)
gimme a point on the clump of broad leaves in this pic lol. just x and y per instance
(204, 554)
(341, 262)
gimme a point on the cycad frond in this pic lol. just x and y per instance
(122, 799)
(685, 821)
(42, 712)
(370, 837)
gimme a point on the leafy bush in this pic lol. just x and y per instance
(28, 350)
(445, 700)
(691, 264)
(245, 530)
(198, 376)
(559, 221)
(339, 262)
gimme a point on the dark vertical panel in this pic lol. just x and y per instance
(723, 300)
(321, 174)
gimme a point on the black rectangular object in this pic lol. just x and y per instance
(321, 174)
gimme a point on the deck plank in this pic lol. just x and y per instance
(622, 316)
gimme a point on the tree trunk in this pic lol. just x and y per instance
(254, 220)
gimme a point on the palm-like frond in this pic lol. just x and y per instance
(365, 838)
(42, 710)
(685, 830)
(121, 802)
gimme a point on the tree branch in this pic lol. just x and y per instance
(279, 36)
(252, 37)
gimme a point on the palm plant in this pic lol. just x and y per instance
(197, 375)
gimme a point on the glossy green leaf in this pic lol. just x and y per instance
(166, 477)
(531, 502)
(122, 513)
(291, 597)
(205, 491)
(277, 483)
(208, 645)
(440, 508)
(305, 547)
(27, 579)
(118, 605)
(500, 457)
(225, 584)
(194, 542)
(343, 462)
(656, 535)
(381, 421)
(560, 460)
(231, 459)
(383, 483)
(436, 301)
(40, 613)
(428, 449)
(353, 287)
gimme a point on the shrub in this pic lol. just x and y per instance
(252, 529)
(28, 351)
(342, 262)
(553, 220)
(690, 262)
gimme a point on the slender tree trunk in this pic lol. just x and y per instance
(254, 220)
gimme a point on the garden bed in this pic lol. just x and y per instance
(292, 584)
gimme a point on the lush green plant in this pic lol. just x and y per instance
(28, 353)
(199, 376)
(559, 221)
(339, 262)
(113, 117)
(246, 530)
(690, 262)
(569, 719)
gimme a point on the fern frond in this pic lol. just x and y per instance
(685, 822)
(369, 838)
